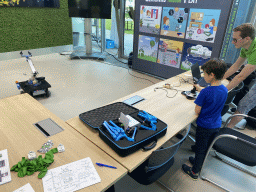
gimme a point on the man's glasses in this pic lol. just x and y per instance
(235, 40)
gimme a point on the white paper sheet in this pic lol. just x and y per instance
(5, 175)
(71, 177)
(25, 188)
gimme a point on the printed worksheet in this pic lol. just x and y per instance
(25, 188)
(71, 177)
(5, 175)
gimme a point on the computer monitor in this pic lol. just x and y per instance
(196, 71)
(100, 9)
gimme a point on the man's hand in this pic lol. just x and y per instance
(198, 88)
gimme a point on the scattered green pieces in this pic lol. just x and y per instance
(42, 174)
(55, 150)
(27, 167)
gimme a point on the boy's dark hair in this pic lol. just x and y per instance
(246, 29)
(216, 66)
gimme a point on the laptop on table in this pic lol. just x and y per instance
(196, 74)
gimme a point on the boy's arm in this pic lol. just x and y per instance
(200, 101)
(198, 109)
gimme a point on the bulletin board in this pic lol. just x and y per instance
(172, 35)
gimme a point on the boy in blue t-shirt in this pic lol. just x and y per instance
(209, 105)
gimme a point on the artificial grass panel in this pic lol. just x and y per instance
(32, 28)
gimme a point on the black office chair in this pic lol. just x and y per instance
(231, 97)
(234, 145)
(158, 163)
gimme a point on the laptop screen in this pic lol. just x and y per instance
(196, 71)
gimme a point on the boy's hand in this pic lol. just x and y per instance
(198, 88)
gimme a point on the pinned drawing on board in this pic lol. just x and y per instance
(169, 52)
(150, 17)
(193, 53)
(147, 48)
(203, 24)
(174, 21)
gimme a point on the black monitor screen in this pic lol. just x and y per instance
(90, 8)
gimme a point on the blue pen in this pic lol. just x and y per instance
(103, 165)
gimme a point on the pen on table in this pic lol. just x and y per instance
(103, 165)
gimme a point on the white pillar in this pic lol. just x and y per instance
(113, 33)
(88, 31)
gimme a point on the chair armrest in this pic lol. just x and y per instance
(249, 117)
(247, 142)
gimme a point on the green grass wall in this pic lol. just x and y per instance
(32, 28)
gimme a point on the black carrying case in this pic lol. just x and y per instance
(123, 147)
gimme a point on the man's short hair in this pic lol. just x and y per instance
(246, 29)
(216, 66)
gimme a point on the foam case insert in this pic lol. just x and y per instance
(123, 147)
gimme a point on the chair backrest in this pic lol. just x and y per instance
(231, 97)
(236, 145)
(161, 156)
(233, 92)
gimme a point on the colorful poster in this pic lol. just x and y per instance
(147, 48)
(169, 52)
(174, 21)
(150, 18)
(202, 24)
(193, 54)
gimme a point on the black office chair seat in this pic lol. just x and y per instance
(239, 149)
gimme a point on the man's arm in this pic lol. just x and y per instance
(247, 70)
(198, 109)
(234, 67)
